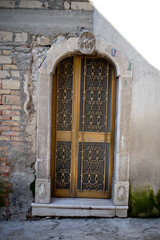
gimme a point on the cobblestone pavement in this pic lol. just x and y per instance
(81, 229)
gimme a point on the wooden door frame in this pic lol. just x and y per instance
(75, 136)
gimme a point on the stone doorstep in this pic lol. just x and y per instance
(79, 207)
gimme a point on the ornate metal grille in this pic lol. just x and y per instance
(64, 95)
(83, 125)
(64, 123)
(63, 161)
(93, 157)
(93, 95)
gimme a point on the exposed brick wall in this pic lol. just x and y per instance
(22, 52)
(85, 5)
(21, 55)
(16, 155)
(9, 112)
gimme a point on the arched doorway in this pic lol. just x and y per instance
(44, 204)
(83, 114)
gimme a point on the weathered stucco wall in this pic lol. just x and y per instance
(145, 113)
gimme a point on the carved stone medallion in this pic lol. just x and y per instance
(87, 43)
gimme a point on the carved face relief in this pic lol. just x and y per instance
(87, 43)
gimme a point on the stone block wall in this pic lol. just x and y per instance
(85, 5)
(21, 55)
(9, 110)
(17, 156)
(23, 49)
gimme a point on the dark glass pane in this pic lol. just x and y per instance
(64, 95)
(109, 99)
(93, 157)
(92, 160)
(81, 96)
(63, 162)
(107, 165)
(93, 95)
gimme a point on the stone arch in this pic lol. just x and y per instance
(123, 69)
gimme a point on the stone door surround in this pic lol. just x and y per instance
(123, 70)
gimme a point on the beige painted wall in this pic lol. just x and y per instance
(145, 112)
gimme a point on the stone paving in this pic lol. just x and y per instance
(81, 229)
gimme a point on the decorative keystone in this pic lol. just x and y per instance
(87, 43)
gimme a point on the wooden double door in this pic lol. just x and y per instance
(83, 127)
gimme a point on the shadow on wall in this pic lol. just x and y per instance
(144, 162)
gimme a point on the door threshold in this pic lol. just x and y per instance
(79, 207)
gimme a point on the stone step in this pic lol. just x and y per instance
(79, 207)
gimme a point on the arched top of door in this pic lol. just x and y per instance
(66, 47)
